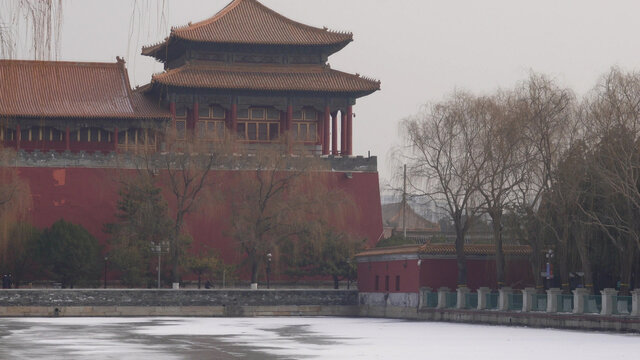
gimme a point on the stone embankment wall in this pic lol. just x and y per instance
(510, 318)
(178, 303)
(239, 303)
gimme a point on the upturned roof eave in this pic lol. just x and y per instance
(159, 51)
(159, 117)
(351, 93)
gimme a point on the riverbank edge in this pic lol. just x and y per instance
(252, 303)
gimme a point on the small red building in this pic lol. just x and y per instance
(399, 272)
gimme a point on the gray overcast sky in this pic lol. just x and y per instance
(421, 50)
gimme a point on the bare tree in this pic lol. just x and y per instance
(499, 161)
(276, 198)
(439, 147)
(545, 113)
(613, 118)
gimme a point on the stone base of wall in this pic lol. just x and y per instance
(239, 303)
(110, 302)
(619, 323)
(178, 311)
(388, 299)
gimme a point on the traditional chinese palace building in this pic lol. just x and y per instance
(247, 74)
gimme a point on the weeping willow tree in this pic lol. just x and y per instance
(32, 29)
(30, 26)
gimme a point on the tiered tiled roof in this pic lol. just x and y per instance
(392, 217)
(71, 90)
(249, 22)
(447, 250)
(312, 78)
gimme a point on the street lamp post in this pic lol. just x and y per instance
(268, 268)
(549, 273)
(348, 273)
(106, 258)
(157, 248)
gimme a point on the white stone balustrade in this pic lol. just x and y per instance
(424, 295)
(503, 298)
(635, 299)
(552, 299)
(578, 300)
(607, 301)
(482, 297)
(527, 299)
(442, 297)
(462, 297)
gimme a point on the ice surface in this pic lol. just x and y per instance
(295, 338)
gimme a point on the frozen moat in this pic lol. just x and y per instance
(297, 338)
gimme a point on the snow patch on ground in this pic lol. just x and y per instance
(295, 337)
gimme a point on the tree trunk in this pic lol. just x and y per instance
(584, 260)
(536, 262)
(336, 282)
(460, 257)
(637, 271)
(563, 257)
(627, 258)
(254, 271)
(199, 277)
(496, 217)
(175, 248)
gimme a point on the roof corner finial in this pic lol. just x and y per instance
(189, 23)
(325, 28)
(358, 75)
(120, 60)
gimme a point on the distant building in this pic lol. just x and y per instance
(419, 229)
(399, 272)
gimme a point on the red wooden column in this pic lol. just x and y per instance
(196, 117)
(343, 133)
(18, 136)
(115, 139)
(326, 132)
(172, 109)
(334, 133)
(350, 130)
(288, 130)
(234, 119)
(67, 139)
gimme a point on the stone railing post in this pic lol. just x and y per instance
(482, 297)
(503, 298)
(527, 298)
(552, 299)
(442, 297)
(635, 302)
(578, 300)
(462, 297)
(424, 294)
(607, 300)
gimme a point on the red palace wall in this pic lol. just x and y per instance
(436, 273)
(439, 272)
(406, 270)
(88, 196)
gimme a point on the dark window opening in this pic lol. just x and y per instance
(397, 282)
(376, 285)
